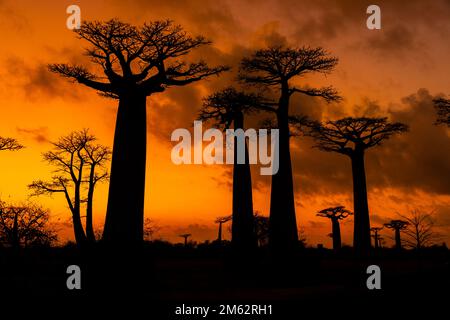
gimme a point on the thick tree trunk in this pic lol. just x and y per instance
(283, 235)
(89, 208)
(398, 241)
(336, 230)
(376, 240)
(242, 226)
(219, 236)
(361, 234)
(125, 212)
(15, 241)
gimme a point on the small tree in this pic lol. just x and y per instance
(442, 106)
(78, 161)
(397, 226)
(10, 144)
(135, 63)
(25, 225)
(276, 68)
(352, 137)
(261, 229)
(220, 221)
(185, 236)
(335, 214)
(150, 228)
(420, 230)
(376, 236)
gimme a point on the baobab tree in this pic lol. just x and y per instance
(221, 221)
(276, 68)
(78, 161)
(397, 226)
(376, 236)
(185, 236)
(224, 109)
(420, 231)
(442, 106)
(136, 62)
(10, 144)
(25, 225)
(261, 229)
(352, 137)
(335, 214)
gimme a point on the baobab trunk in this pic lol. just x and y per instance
(219, 236)
(125, 212)
(89, 209)
(283, 234)
(361, 233)
(242, 227)
(336, 230)
(80, 236)
(398, 241)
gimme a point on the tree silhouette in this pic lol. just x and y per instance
(25, 225)
(221, 221)
(442, 106)
(78, 161)
(352, 137)
(397, 226)
(10, 144)
(226, 108)
(335, 214)
(185, 236)
(276, 67)
(420, 230)
(150, 228)
(137, 62)
(261, 229)
(376, 236)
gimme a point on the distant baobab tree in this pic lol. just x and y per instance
(442, 106)
(352, 137)
(221, 221)
(277, 67)
(420, 231)
(78, 161)
(376, 236)
(335, 214)
(25, 225)
(397, 226)
(227, 108)
(185, 236)
(137, 62)
(10, 144)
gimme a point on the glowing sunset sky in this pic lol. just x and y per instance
(394, 72)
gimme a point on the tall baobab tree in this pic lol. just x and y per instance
(420, 231)
(376, 236)
(442, 106)
(78, 161)
(397, 226)
(10, 144)
(136, 62)
(227, 108)
(352, 137)
(276, 68)
(335, 214)
(221, 221)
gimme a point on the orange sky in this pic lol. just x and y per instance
(376, 71)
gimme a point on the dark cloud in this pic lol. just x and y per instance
(40, 135)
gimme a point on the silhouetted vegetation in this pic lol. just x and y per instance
(137, 62)
(397, 226)
(25, 225)
(352, 137)
(442, 106)
(10, 144)
(276, 68)
(78, 161)
(335, 214)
